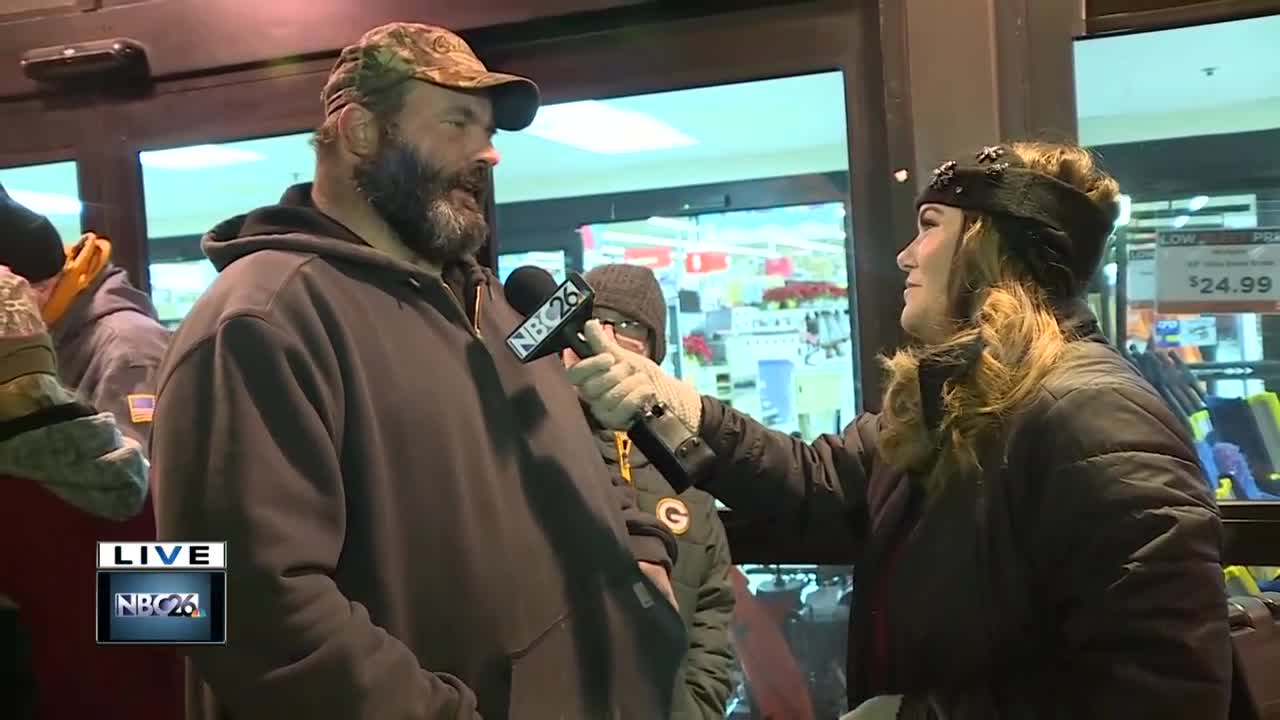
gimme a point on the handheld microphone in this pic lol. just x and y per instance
(554, 317)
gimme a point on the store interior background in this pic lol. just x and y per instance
(757, 259)
(1195, 82)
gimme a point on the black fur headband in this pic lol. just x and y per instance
(1057, 230)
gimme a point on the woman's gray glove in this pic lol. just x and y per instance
(618, 384)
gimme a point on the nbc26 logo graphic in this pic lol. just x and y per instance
(183, 605)
(161, 593)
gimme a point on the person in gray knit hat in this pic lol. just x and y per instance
(629, 302)
(628, 298)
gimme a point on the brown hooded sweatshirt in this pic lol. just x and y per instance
(418, 525)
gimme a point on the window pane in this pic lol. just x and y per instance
(53, 190)
(736, 197)
(741, 131)
(758, 305)
(188, 190)
(758, 297)
(1189, 121)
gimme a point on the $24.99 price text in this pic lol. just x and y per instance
(1227, 285)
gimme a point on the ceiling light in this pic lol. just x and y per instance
(1181, 220)
(640, 239)
(680, 224)
(637, 239)
(601, 128)
(198, 157)
(802, 244)
(647, 260)
(734, 250)
(1199, 202)
(1126, 211)
(46, 203)
(544, 256)
(814, 246)
(797, 237)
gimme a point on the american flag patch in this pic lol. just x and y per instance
(141, 408)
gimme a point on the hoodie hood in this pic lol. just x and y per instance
(85, 461)
(297, 225)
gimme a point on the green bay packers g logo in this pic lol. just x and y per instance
(674, 514)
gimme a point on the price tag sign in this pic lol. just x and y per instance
(1140, 278)
(1218, 271)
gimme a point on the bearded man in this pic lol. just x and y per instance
(417, 524)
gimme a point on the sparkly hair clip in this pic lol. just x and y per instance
(943, 174)
(990, 154)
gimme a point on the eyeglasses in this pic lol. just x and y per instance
(627, 328)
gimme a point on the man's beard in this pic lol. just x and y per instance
(437, 217)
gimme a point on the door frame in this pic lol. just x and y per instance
(1121, 17)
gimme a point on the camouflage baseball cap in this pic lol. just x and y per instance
(389, 55)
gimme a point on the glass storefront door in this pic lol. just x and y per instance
(1188, 120)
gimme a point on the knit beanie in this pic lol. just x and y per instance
(633, 291)
(25, 346)
(29, 244)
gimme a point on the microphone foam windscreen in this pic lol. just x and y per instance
(528, 287)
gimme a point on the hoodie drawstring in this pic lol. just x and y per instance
(416, 284)
(623, 444)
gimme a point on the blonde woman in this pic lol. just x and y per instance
(1033, 536)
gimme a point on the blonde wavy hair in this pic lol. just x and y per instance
(1010, 313)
